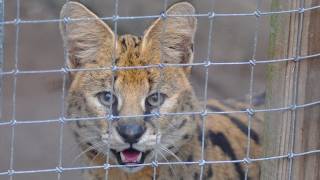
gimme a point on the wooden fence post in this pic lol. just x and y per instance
(293, 83)
(1, 52)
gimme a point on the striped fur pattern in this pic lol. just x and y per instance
(174, 138)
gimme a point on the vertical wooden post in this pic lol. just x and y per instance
(1, 52)
(292, 83)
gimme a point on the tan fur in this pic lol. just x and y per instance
(90, 44)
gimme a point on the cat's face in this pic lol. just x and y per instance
(132, 98)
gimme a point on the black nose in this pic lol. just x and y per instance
(131, 132)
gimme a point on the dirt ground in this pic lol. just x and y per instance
(38, 96)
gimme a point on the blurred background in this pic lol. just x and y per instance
(38, 96)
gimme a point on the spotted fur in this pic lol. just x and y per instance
(90, 44)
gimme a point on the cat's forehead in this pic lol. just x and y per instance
(129, 51)
(130, 55)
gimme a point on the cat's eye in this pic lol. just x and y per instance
(107, 98)
(155, 99)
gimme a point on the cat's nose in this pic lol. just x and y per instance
(131, 133)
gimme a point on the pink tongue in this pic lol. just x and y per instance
(130, 156)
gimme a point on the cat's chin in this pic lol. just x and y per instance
(132, 169)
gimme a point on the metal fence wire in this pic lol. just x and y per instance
(206, 63)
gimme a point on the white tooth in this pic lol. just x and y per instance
(139, 157)
(122, 157)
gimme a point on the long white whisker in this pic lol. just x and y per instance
(170, 152)
(173, 154)
(170, 166)
(94, 158)
(94, 146)
(82, 141)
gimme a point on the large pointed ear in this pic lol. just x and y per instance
(84, 36)
(174, 33)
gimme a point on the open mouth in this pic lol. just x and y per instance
(130, 156)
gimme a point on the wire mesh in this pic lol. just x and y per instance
(209, 62)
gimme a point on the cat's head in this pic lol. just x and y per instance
(108, 84)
